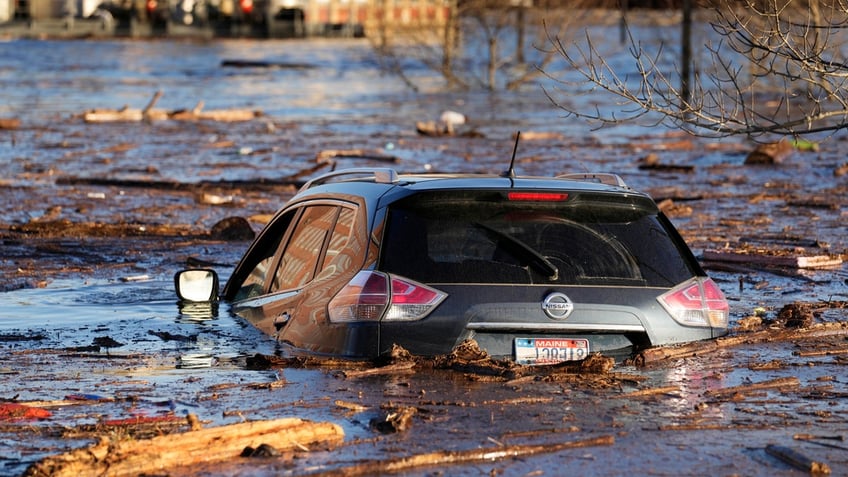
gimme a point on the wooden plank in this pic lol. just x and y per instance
(795, 261)
(777, 383)
(442, 459)
(696, 348)
(152, 456)
(330, 154)
(649, 392)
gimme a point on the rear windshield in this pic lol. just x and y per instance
(481, 237)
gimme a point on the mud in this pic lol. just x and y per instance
(98, 217)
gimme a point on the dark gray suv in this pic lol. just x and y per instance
(538, 270)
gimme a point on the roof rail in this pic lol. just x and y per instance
(599, 177)
(380, 175)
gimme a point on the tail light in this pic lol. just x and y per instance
(698, 302)
(372, 296)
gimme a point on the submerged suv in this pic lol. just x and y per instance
(538, 270)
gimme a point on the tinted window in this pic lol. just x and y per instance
(479, 237)
(255, 268)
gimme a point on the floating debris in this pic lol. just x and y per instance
(149, 456)
(770, 153)
(398, 420)
(232, 229)
(106, 342)
(14, 412)
(195, 361)
(773, 258)
(797, 459)
(148, 113)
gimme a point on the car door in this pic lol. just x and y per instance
(296, 282)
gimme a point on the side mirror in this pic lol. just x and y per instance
(196, 286)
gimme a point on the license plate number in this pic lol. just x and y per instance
(550, 350)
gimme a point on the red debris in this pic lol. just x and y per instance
(13, 411)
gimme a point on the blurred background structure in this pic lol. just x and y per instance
(257, 18)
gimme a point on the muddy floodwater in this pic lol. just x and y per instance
(97, 218)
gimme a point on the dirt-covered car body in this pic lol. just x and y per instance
(534, 269)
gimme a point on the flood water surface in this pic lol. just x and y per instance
(100, 216)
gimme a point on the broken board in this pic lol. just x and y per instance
(771, 259)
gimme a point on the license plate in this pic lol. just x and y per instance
(550, 350)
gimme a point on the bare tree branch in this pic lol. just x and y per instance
(774, 68)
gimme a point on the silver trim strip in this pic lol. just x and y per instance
(551, 327)
(262, 300)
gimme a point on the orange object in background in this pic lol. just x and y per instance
(13, 411)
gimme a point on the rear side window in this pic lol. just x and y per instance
(335, 259)
(480, 237)
(301, 256)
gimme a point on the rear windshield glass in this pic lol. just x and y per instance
(481, 237)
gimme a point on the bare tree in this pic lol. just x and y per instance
(772, 67)
(488, 44)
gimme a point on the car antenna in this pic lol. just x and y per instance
(511, 171)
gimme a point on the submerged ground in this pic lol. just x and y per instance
(98, 217)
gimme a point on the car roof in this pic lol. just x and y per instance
(387, 178)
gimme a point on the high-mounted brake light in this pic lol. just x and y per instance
(369, 297)
(538, 196)
(698, 302)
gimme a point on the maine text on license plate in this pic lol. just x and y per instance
(549, 350)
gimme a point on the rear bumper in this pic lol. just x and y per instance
(502, 345)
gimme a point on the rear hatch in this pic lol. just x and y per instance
(534, 264)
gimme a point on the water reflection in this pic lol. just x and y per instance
(197, 312)
(694, 380)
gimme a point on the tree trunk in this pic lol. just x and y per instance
(686, 54)
(493, 61)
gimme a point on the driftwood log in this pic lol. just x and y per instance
(778, 383)
(328, 155)
(444, 458)
(9, 123)
(654, 355)
(650, 392)
(126, 114)
(149, 113)
(798, 460)
(769, 260)
(221, 115)
(152, 456)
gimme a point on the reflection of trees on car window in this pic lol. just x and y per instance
(262, 255)
(304, 250)
(334, 260)
(253, 285)
(300, 258)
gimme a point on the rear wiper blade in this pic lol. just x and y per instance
(516, 246)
